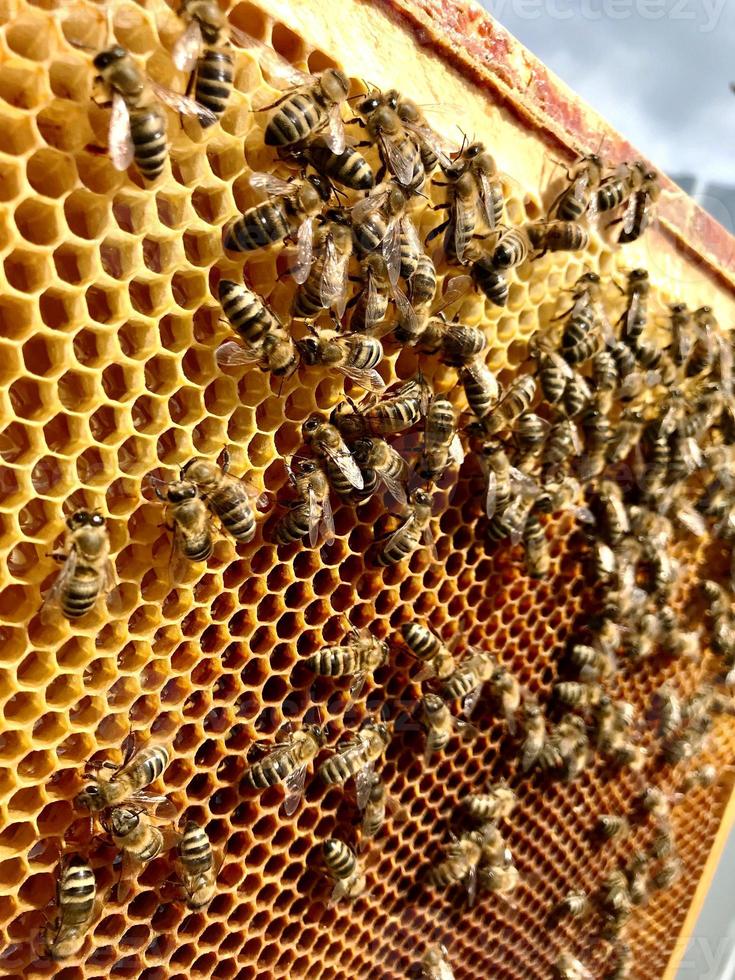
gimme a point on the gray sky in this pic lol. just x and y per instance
(658, 70)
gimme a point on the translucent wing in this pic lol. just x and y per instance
(315, 515)
(187, 48)
(276, 66)
(410, 235)
(233, 354)
(457, 288)
(456, 452)
(406, 312)
(358, 682)
(294, 785)
(491, 492)
(580, 186)
(486, 198)
(182, 103)
(364, 208)
(120, 143)
(392, 251)
(347, 466)
(427, 538)
(395, 488)
(335, 136)
(484, 376)
(333, 287)
(398, 163)
(629, 216)
(367, 378)
(470, 701)
(692, 520)
(304, 251)
(363, 785)
(327, 521)
(161, 806)
(270, 185)
(471, 885)
(463, 218)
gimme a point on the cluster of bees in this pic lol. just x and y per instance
(599, 390)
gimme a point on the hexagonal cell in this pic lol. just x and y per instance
(27, 271)
(37, 222)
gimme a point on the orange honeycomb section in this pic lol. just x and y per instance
(108, 327)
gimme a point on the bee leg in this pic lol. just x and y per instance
(360, 122)
(436, 231)
(265, 108)
(56, 555)
(107, 104)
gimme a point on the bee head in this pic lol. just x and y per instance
(368, 105)
(338, 216)
(474, 150)
(422, 497)
(181, 490)
(89, 797)
(84, 518)
(311, 425)
(105, 59)
(310, 350)
(321, 185)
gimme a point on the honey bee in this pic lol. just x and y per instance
(476, 160)
(623, 966)
(137, 839)
(490, 280)
(615, 896)
(431, 147)
(561, 443)
(497, 803)
(605, 378)
(344, 869)
(388, 464)
(287, 763)
(378, 802)
(399, 153)
(426, 646)
(480, 387)
(325, 286)
(353, 355)
(610, 825)
(704, 351)
(440, 724)
(557, 236)
(413, 532)
(357, 758)
(348, 167)
(637, 874)
(442, 445)
(201, 49)
(620, 186)
(193, 540)
(656, 803)
(669, 712)
(575, 904)
(667, 874)
(635, 317)
(577, 395)
(381, 220)
(288, 214)
(128, 780)
(360, 655)
(370, 306)
(534, 728)
(87, 572)
(227, 497)
(640, 206)
(553, 372)
(507, 690)
(198, 872)
(434, 964)
(568, 967)
(423, 283)
(325, 440)
(701, 778)
(388, 416)
(137, 125)
(567, 747)
(610, 512)
(467, 680)
(579, 198)
(514, 402)
(462, 220)
(311, 511)
(682, 335)
(501, 880)
(312, 107)
(592, 662)
(262, 339)
(76, 893)
(460, 864)
(537, 552)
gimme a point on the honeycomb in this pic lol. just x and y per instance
(109, 324)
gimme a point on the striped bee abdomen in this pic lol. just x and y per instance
(148, 134)
(213, 82)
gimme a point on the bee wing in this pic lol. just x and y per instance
(363, 785)
(463, 218)
(333, 286)
(486, 199)
(233, 354)
(398, 163)
(406, 312)
(182, 103)
(491, 492)
(580, 186)
(347, 466)
(471, 885)
(294, 785)
(456, 452)
(187, 47)
(392, 251)
(276, 66)
(129, 870)
(335, 136)
(692, 520)
(411, 235)
(120, 143)
(470, 700)
(327, 521)
(51, 601)
(358, 682)
(373, 202)
(483, 375)
(367, 378)
(395, 488)
(270, 185)
(629, 216)
(304, 251)
(457, 288)
(315, 515)
(427, 538)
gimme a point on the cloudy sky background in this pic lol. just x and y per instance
(662, 82)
